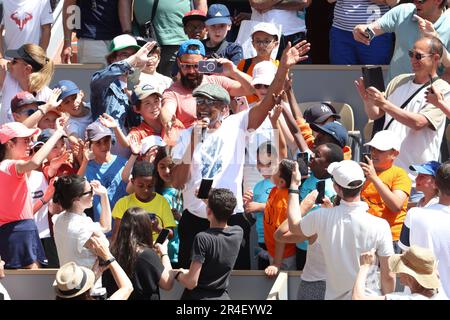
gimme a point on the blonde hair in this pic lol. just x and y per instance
(41, 78)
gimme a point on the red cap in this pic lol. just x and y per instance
(23, 98)
(194, 15)
(15, 130)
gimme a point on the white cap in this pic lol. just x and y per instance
(151, 141)
(385, 140)
(266, 27)
(346, 172)
(264, 73)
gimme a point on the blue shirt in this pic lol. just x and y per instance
(175, 200)
(99, 19)
(230, 50)
(309, 185)
(261, 192)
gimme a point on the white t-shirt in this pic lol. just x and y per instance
(77, 125)
(156, 79)
(23, 19)
(345, 232)
(291, 21)
(10, 88)
(220, 156)
(4, 292)
(418, 146)
(72, 230)
(37, 185)
(429, 228)
(412, 296)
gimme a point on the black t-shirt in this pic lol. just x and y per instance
(217, 249)
(230, 50)
(146, 276)
(99, 19)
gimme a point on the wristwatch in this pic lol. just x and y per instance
(104, 263)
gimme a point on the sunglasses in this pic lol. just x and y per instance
(209, 102)
(418, 56)
(188, 66)
(420, 1)
(90, 192)
(260, 86)
(28, 112)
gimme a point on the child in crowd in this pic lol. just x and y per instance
(255, 202)
(80, 115)
(282, 255)
(48, 121)
(218, 23)
(387, 187)
(426, 182)
(145, 197)
(149, 75)
(194, 24)
(163, 186)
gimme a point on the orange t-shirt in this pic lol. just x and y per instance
(274, 214)
(252, 98)
(396, 179)
(142, 131)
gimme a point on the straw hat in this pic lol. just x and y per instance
(419, 263)
(73, 280)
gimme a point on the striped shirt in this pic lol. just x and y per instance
(349, 13)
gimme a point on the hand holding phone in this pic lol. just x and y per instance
(302, 160)
(209, 66)
(162, 236)
(242, 103)
(365, 156)
(320, 186)
(205, 186)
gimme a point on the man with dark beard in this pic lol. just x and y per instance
(178, 102)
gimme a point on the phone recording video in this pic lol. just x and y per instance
(320, 186)
(209, 66)
(302, 160)
(162, 236)
(205, 186)
(365, 156)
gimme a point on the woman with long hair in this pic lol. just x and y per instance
(29, 70)
(20, 245)
(133, 249)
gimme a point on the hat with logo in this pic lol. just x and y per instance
(213, 92)
(68, 88)
(318, 113)
(266, 27)
(95, 131)
(12, 130)
(22, 53)
(142, 91)
(123, 41)
(347, 174)
(430, 168)
(264, 73)
(194, 15)
(217, 14)
(385, 140)
(73, 280)
(23, 98)
(334, 129)
(191, 46)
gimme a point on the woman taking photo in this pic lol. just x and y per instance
(133, 249)
(20, 245)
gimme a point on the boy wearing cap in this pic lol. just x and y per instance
(333, 132)
(387, 187)
(344, 231)
(426, 182)
(194, 24)
(218, 23)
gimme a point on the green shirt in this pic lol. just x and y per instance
(168, 22)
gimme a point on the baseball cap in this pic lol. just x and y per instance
(266, 27)
(151, 141)
(44, 136)
(12, 130)
(212, 91)
(95, 131)
(142, 91)
(346, 173)
(123, 41)
(194, 15)
(264, 73)
(68, 88)
(184, 48)
(22, 53)
(23, 98)
(334, 129)
(320, 112)
(385, 140)
(217, 14)
(429, 167)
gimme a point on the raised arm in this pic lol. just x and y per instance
(125, 8)
(105, 215)
(366, 261)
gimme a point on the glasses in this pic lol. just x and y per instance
(90, 192)
(209, 102)
(418, 56)
(28, 112)
(188, 66)
(260, 86)
(420, 1)
(262, 42)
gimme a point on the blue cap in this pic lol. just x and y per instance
(68, 88)
(184, 48)
(429, 167)
(334, 129)
(217, 14)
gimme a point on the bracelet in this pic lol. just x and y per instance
(42, 111)
(293, 191)
(135, 154)
(104, 263)
(43, 202)
(177, 275)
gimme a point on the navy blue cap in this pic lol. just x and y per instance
(430, 167)
(334, 129)
(184, 48)
(68, 88)
(217, 14)
(320, 112)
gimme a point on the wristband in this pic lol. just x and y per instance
(293, 191)
(104, 263)
(135, 154)
(42, 111)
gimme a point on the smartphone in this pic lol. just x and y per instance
(205, 186)
(162, 236)
(373, 77)
(209, 66)
(370, 34)
(242, 103)
(302, 160)
(320, 186)
(364, 157)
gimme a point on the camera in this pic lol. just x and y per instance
(370, 33)
(209, 66)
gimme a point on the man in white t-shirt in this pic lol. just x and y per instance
(429, 227)
(214, 148)
(25, 21)
(344, 231)
(420, 125)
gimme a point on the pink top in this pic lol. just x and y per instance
(181, 98)
(15, 198)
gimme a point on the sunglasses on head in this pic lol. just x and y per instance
(418, 56)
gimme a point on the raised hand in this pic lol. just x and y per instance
(140, 58)
(367, 258)
(295, 54)
(135, 144)
(53, 101)
(426, 27)
(361, 89)
(108, 121)
(296, 177)
(98, 188)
